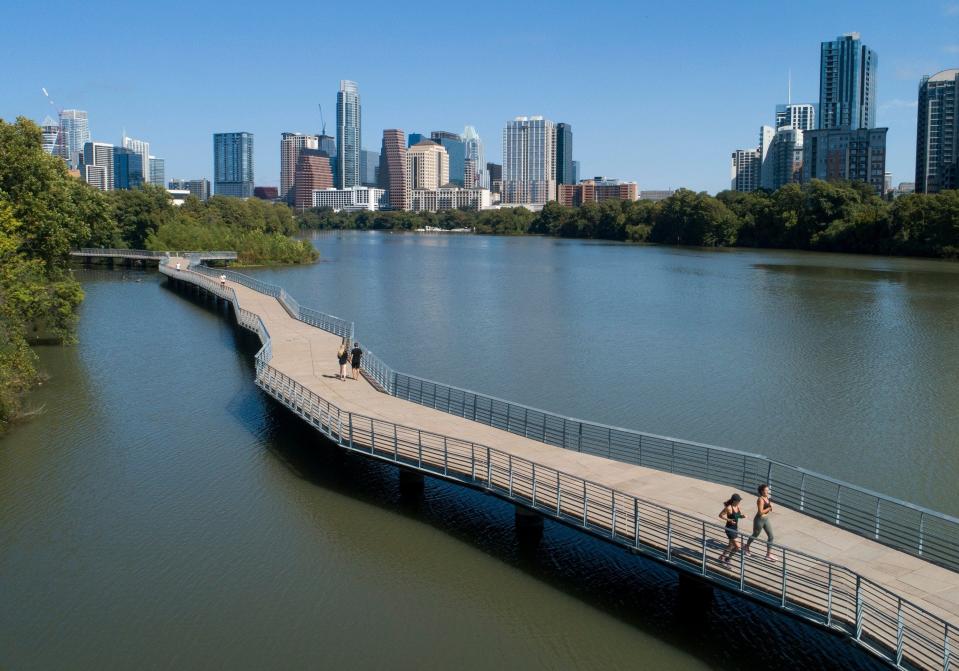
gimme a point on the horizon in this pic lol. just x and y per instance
(681, 136)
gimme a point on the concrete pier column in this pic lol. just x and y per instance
(411, 484)
(529, 526)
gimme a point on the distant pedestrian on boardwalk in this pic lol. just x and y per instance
(178, 265)
(762, 522)
(355, 355)
(343, 356)
(731, 514)
(223, 281)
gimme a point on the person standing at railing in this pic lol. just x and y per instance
(343, 356)
(223, 281)
(762, 522)
(355, 355)
(731, 514)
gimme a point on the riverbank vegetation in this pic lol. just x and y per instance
(45, 212)
(824, 216)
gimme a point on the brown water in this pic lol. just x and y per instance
(162, 513)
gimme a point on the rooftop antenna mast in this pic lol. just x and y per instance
(322, 120)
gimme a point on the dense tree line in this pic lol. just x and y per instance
(45, 212)
(826, 216)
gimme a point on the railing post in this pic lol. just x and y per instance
(802, 493)
(473, 461)
(858, 607)
(946, 654)
(636, 522)
(489, 470)
(396, 449)
(829, 599)
(559, 497)
(922, 530)
(609, 442)
(579, 442)
(783, 601)
(446, 453)
(474, 407)
(669, 535)
(585, 506)
(509, 407)
(613, 530)
(742, 571)
(525, 422)
(510, 466)
(351, 430)
(900, 631)
(672, 456)
(878, 501)
(419, 443)
(769, 474)
(534, 485)
(703, 571)
(838, 501)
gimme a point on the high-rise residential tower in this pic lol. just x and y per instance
(348, 135)
(937, 133)
(564, 154)
(745, 170)
(75, 127)
(393, 177)
(369, 165)
(427, 165)
(233, 164)
(455, 147)
(475, 153)
(529, 160)
(847, 84)
(313, 172)
(290, 146)
(801, 116)
(97, 167)
(53, 138)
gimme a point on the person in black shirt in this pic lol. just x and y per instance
(731, 514)
(355, 355)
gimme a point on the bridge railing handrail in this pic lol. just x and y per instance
(829, 594)
(926, 533)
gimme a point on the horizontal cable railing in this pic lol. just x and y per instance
(918, 531)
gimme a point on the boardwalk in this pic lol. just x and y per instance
(899, 606)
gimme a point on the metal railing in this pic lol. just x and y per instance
(918, 531)
(818, 591)
(146, 254)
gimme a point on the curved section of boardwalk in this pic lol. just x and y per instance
(900, 607)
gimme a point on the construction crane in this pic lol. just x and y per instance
(322, 120)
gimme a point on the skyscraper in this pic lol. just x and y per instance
(313, 172)
(415, 138)
(847, 84)
(290, 146)
(52, 138)
(348, 135)
(564, 154)
(393, 169)
(96, 161)
(427, 165)
(846, 145)
(128, 170)
(475, 153)
(157, 171)
(369, 165)
(745, 170)
(456, 150)
(575, 172)
(937, 133)
(801, 116)
(233, 164)
(76, 133)
(142, 148)
(529, 160)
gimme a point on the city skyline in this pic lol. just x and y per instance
(643, 127)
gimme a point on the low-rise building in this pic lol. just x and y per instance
(449, 198)
(654, 195)
(198, 188)
(596, 190)
(353, 199)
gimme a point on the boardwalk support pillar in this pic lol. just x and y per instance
(411, 483)
(529, 526)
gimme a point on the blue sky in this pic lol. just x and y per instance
(660, 93)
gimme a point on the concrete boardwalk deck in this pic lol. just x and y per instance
(308, 355)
